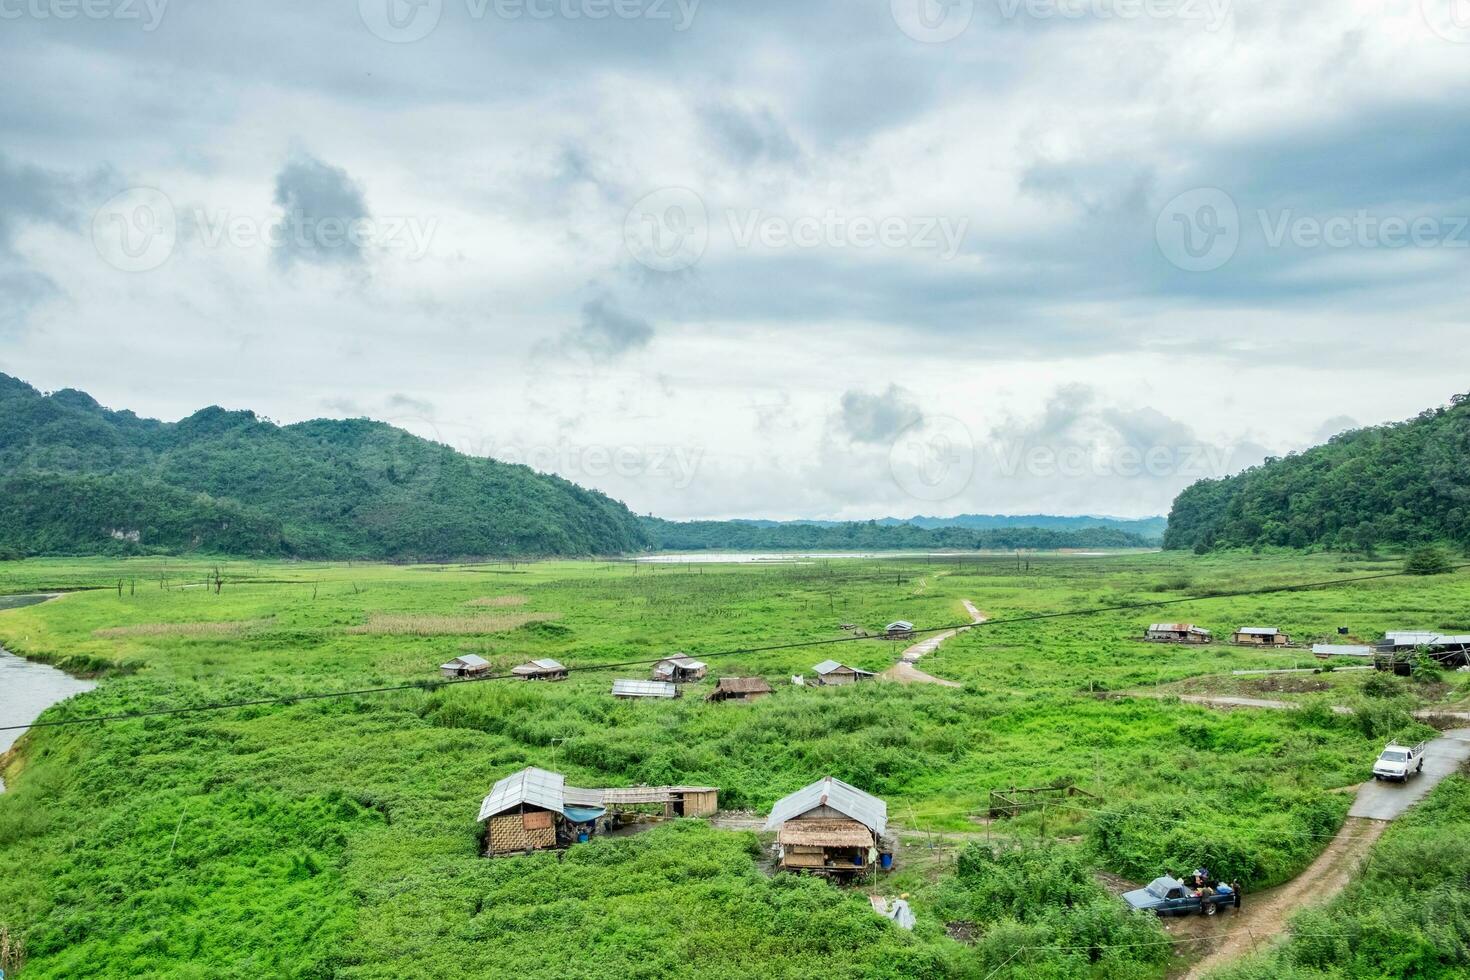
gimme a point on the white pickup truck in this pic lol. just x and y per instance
(1399, 762)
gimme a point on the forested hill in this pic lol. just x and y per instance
(81, 479)
(1392, 484)
(872, 536)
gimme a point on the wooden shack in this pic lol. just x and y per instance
(541, 670)
(739, 689)
(829, 827)
(467, 665)
(1260, 636)
(830, 673)
(529, 811)
(899, 630)
(1178, 633)
(631, 689)
(680, 670)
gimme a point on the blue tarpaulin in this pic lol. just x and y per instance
(583, 814)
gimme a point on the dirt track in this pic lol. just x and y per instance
(904, 672)
(1262, 917)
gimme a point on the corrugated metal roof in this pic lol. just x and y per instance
(1412, 639)
(538, 665)
(468, 660)
(827, 666)
(533, 786)
(580, 796)
(900, 624)
(688, 663)
(644, 689)
(1258, 630)
(1342, 650)
(865, 808)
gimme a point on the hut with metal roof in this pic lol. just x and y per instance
(465, 665)
(830, 673)
(530, 811)
(900, 629)
(739, 689)
(1260, 636)
(541, 670)
(829, 827)
(1178, 633)
(630, 689)
(680, 670)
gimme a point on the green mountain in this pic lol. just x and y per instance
(82, 479)
(1392, 484)
(872, 536)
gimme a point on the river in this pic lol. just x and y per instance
(28, 688)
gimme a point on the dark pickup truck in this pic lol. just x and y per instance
(1170, 896)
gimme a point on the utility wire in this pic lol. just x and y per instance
(746, 651)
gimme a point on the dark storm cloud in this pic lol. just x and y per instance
(878, 418)
(320, 204)
(608, 331)
(32, 195)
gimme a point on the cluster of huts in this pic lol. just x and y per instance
(829, 827)
(1188, 633)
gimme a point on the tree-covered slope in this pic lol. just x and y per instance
(1391, 484)
(872, 536)
(81, 478)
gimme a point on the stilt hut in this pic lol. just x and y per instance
(680, 670)
(1260, 636)
(830, 827)
(833, 674)
(528, 811)
(467, 665)
(739, 689)
(541, 670)
(1178, 633)
(899, 630)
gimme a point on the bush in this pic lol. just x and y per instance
(1429, 560)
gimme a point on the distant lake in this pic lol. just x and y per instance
(806, 557)
(27, 688)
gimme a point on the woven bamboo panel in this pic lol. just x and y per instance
(508, 834)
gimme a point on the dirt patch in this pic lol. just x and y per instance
(182, 629)
(1289, 683)
(499, 601)
(413, 624)
(962, 932)
(1262, 917)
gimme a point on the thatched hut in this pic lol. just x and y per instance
(829, 827)
(740, 689)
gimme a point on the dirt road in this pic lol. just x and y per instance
(1263, 916)
(904, 672)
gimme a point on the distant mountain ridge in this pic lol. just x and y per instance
(1149, 528)
(1403, 483)
(78, 478)
(82, 479)
(873, 536)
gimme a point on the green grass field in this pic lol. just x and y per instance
(336, 838)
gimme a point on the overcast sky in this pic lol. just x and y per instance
(810, 258)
